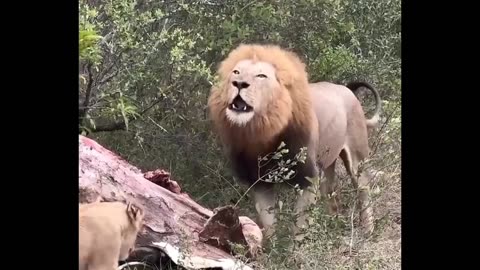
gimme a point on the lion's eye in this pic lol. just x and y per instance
(236, 72)
(262, 76)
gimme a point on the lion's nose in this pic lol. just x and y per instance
(240, 85)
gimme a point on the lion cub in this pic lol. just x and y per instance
(107, 233)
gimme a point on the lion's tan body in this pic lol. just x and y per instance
(264, 98)
(340, 119)
(107, 233)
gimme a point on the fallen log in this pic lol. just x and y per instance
(192, 236)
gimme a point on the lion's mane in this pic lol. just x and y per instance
(291, 116)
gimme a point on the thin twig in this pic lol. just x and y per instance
(221, 177)
(245, 193)
(353, 228)
(155, 123)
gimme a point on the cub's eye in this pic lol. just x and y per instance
(236, 72)
(262, 76)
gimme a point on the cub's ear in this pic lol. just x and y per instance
(134, 211)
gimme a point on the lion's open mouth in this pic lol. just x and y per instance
(239, 105)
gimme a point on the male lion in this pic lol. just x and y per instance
(107, 233)
(264, 98)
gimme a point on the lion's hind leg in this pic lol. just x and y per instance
(361, 184)
(328, 186)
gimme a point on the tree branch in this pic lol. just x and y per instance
(88, 92)
(120, 125)
(102, 77)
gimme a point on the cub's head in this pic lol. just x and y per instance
(260, 89)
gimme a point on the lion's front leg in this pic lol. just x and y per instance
(264, 196)
(308, 197)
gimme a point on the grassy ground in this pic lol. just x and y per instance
(335, 242)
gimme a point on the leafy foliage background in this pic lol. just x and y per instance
(146, 68)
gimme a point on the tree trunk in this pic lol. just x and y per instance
(174, 223)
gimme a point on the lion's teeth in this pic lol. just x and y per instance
(234, 106)
(245, 108)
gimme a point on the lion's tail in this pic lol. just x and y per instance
(354, 86)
